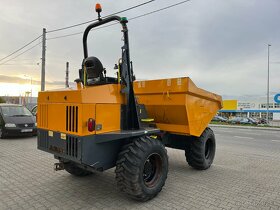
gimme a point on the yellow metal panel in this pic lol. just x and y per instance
(229, 105)
(173, 128)
(108, 117)
(53, 116)
(56, 117)
(168, 114)
(52, 107)
(165, 86)
(60, 96)
(92, 94)
(42, 115)
(102, 94)
(200, 112)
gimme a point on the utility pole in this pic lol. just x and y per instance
(67, 75)
(267, 104)
(43, 60)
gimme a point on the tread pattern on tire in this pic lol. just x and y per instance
(75, 170)
(128, 168)
(195, 153)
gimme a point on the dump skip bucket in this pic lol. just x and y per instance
(177, 105)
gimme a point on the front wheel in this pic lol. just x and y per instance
(200, 152)
(142, 168)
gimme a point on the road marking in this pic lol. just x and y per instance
(276, 141)
(257, 134)
(243, 137)
(226, 131)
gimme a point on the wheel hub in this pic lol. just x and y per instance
(152, 170)
(148, 169)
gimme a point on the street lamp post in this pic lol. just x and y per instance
(267, 104)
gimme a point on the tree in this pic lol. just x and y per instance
(2, 100)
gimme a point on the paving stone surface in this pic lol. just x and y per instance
(245, 175)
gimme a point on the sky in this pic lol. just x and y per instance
(221, 45)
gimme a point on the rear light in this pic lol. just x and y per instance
(91, 124)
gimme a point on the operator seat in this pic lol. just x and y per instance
(94, 71)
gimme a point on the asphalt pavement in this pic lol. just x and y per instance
(256, 140)
(245, 175)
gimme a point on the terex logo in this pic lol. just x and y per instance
(56, 149)
(277, 98)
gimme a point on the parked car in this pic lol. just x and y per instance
(261, 121)
(243, 120)
(16, 120)
(235, 120)
(219, 119)
(248, 120)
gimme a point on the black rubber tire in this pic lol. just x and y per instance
(73, 169)
(2, 135)
(130, 175)
(201, 150)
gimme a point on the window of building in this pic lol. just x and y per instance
(270, 105)
(254, 114)
(276, 105)
(270, 116)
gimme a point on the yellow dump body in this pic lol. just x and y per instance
(177, 105)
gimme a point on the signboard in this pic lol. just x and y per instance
(229, 104)
(277, 98)
(246, 105)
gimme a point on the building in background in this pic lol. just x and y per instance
(255, 109)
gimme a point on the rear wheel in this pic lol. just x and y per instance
(200, 152)
(142, 168)
(73, 169)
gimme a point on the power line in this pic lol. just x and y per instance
(59, 29)
(133, 18)
(20, 48)
(79, 24)
(25, 59)
(158, 10)
(20, 64)
(20, 54)
(77, 33)
(67, 35)
(57, 37)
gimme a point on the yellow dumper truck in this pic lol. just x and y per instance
(120, 122)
